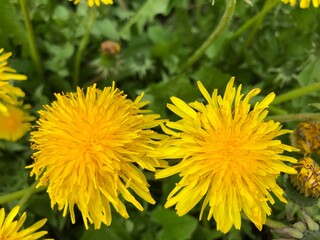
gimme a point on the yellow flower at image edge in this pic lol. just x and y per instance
(89, 148)
(229, 157)
(6, 72)
(15, 123)
(9, 229)
(303, 3)
(9, 95)
(94, 2)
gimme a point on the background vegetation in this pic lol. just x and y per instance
(268, 45)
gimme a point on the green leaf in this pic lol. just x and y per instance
(11, 26)
(159, 94)
(173, 226)
(118, 230)
(61, 14)
(146, 13)
(107, 29)
(207, 233)
(310, 74)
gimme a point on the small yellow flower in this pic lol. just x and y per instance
(229, 157)
(303, 3)
(308, 178)
(10, 230)
(9, 95)
(94, 2)
(6, 72)
(15, 123)
(89, 151)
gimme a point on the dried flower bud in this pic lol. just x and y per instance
(110, 48)
(307, 137)
(308, 178)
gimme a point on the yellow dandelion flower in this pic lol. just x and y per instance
(90, 148)
(10, 230)
(16, 123)
(9, 95)
(6, 72)
(94, 2)
(303, 3)
(308, 178)
(229, 157)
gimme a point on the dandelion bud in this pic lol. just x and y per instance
(110, 48)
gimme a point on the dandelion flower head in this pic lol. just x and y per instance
(89, 151)
(10, 230)
(16, 123)
(229, 157)
(94, 2)
(303, 3)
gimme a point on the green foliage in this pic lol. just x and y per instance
(279, 51)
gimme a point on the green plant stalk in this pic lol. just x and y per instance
(296, 93)
(28, 194)
(276, 110)
(267, 7)
(136, 17)
(274, 224)
(82, 46)
(31, 38)
(20, 194)
(220, 28)
(294, 117)
(123, 5)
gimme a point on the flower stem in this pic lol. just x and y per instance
(21, 194)
(31, 38)
(222, 26)
(296, 93)
(276, 110)
(123, 5)
(294, 117)
(274, 224)
(82, 46)
(258, 21)
(267, 7)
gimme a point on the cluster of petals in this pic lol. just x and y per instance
(303, 3)
(91, 3)
(90, 149)
(230, 158)
(14, 119)
(10, 229)
(8, 93)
